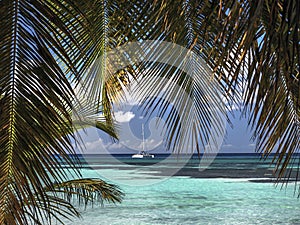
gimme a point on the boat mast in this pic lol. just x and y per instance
(143, 135)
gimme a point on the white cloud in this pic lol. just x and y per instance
(227, 146)
(150, 144)
(122, 117)
(114, 146)
(93, 146)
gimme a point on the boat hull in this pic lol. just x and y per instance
(140, 156)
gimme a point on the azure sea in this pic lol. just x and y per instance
(233, 189)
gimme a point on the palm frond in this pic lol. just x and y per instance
(36, 98)
(101, 82)
(273, 85)
(244, 42)
(88, 191)
(54, 207)
(184, 95)
(161, 22)
(57, 203)
(87, 113)
(47, 45)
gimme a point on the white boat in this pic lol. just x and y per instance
(142, 154)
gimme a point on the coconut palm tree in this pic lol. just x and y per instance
(49, 47)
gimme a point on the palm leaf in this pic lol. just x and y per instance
(45, 47)
(197, 113)
(87, 114)
(36, 98)
(250, 42)
(59, 197)
(88, 190)
(198, 122)
(56, 208)
(251, 46)
(100, 81)
(273, 85)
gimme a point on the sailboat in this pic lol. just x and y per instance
(142, 154)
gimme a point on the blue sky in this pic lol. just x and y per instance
(237, 140)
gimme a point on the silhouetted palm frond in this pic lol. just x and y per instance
(88, 191)
(43, 50)
(49, 47)
(253, 49)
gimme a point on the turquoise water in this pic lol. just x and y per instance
(186, 200)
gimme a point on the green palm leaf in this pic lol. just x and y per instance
(38, 52)
(253, 48)
(250, 46)
(58, 204)
(88, 190)
(273, 88)
(48, 45)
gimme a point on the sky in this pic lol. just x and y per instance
(238, 138)
(130, 120)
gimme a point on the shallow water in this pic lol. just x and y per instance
(153, 198)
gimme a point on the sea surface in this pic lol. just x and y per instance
(229, 189)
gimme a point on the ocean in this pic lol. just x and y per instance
(230, 189)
